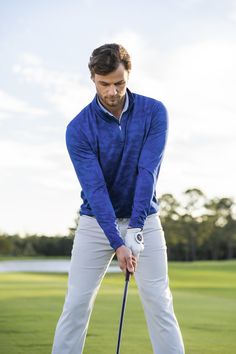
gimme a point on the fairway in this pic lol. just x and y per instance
(204, 300)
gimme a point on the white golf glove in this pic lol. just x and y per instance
(134, 240)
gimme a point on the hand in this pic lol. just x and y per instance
(134, 240)
(126, 259)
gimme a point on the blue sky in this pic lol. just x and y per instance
(183, 53)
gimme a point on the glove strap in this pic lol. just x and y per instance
(139, 237)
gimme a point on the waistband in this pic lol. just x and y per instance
(122, 219)
(127, 219)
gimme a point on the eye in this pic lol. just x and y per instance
(120, 83)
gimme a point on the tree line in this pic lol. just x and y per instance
(196, 228)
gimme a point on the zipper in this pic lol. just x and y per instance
(120, 122)
(122, 132)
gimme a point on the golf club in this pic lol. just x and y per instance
(127, 277)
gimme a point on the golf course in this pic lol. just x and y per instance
(204, 299)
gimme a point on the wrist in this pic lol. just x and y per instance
(120, 248)
(119, 243)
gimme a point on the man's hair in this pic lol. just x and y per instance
(107, 58)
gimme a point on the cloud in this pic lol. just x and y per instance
(232, 11)
(41, 157)
(196, 81)
(21, 156)
(4, 115)
(64, 90)
(10, 104)
(187, 4)
(197, 84)
(43, 172)
(199, 91)
(39, 189)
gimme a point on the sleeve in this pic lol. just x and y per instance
(149, 166)
(93, 184)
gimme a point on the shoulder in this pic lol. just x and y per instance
(151, 108)
(148, 102)
(83, 123)
(79, 120)
(82, 128)
(76, 129)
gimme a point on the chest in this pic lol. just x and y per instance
(116, 137)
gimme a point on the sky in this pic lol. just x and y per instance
(183, 54)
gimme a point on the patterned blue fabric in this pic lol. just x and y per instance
(118, 162)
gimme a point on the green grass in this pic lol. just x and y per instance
(204, 299)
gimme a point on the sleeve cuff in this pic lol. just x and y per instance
(118, 244)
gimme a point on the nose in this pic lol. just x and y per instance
(112, 90)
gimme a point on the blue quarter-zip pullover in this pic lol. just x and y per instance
(118, 162)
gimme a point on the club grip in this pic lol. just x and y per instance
(127, 275)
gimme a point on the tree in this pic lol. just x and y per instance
(192, 210)
(222, 224)
(5, 245)
(169, 215)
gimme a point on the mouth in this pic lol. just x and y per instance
(113, 98)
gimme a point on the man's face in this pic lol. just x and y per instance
(111, 88)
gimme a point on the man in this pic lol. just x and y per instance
(116, 145)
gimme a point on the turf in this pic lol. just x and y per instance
(204, 299)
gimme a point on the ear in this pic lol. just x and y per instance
(92, 78)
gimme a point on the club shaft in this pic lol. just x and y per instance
(123, 310)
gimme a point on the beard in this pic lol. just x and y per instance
(112, 101)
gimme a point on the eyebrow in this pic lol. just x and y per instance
(108, 83)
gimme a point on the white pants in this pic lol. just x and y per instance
(91, 256)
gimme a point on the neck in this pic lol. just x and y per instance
(115, 111)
